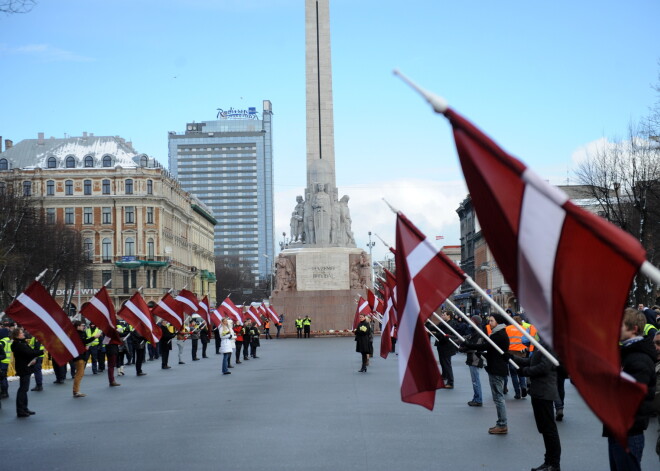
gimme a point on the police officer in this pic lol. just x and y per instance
(95, 332)
(5, 359)
(307, 326)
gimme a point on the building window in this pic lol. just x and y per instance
(151, 278)
(88, 216)
(50, 215)
(106, 275)
(130, 279)
(144, 161)
(87, 187)
(68, 187)
(70, 162)
(107, 161)
(52, 162)
(88, 282)
(129, 187)
(106, 215)
(50, 188)
(129, 213)
(69, 217)
(4, 165)
(89, 161)
(129, 246)
(150, 249)
(106, 187)
(150, 215)
(27, 188)
(150, 187)
(106, 247)
(88, 249)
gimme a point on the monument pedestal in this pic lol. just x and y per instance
(324, 283)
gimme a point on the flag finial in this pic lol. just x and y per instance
(381, 239)
(394, 210)
(438, 103)
(41, 275)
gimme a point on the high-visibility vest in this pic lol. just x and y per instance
(91, 334)
(32, 342)
(531, 330)
(307, 321)
(6, 342)
(299, 323)
(515, 339)
(648, 328)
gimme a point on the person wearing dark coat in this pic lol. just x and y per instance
(543, 390)
(637, 360)
(165, 344)
(139, 345)
(24, 357)
(362, 333)
(446, 350)
(254, 340)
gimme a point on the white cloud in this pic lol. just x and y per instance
(45, 52)
(431, 205)
(580, 154)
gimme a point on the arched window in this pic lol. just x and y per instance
(107, 161)
(88, 249)
(150, 187)
(106, 247)
(150, 248)
(70, 162)
(50, 188)
(129, 186)
(89, 161)
(129, 246)
(144, 161)
(52, 162)
(4, 165)
(68, 187)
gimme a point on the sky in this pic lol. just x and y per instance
(546, 80)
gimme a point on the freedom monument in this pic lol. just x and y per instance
(322, 272)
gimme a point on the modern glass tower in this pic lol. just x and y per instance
(228, 165)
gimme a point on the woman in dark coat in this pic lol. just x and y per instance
(24, 357)
(362, 346)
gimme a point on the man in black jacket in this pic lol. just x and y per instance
(165, 344)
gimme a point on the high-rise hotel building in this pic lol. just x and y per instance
(228, 165)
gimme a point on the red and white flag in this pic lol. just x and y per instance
(373, 301)
(425, 278)
(253, 314)
(42, 317)
(568, 267)
(271, 314)
(189, 301)
(136, 312)
(230, 309)
(101, 311)
(216, 317)
(205, 311)
(387, 325)
(171, 310)
(361, 309)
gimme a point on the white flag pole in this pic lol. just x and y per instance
(429, 331)
(444, 322)
(650, 271)
(510, 319)
(41, 275)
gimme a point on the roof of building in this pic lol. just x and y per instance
(36, 152)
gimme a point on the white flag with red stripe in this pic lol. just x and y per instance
(388, 321)
(230, 309)
(568, 267)
(272, 314)
(189, 301)
(425, 278)
(374, 302)
(171, 310)
(205, 311)
(362, 309)
(42, 317)
(101, 311)
(136, 312)
(254, 315)
(216, 317)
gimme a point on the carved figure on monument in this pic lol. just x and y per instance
(308, 220)
(322, 215)
(345, 221)
(365, 270)
(355, 276)
(335, 231)
(285, 277)
(298, 229)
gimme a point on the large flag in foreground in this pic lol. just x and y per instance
(42, 317)
(189, 301)
(425, 278)
(570, 269)
(171, 310)
(101, 311)
(136, 312)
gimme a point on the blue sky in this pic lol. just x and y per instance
(544, 79)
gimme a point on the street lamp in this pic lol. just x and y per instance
(371, 244)
(271, 272)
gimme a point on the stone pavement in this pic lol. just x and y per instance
(300, 406)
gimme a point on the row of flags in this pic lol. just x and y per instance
(551, 253)
(37, 311)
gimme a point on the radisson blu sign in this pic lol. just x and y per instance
(232, 113)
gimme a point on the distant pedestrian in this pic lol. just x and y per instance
(226, 336)
(475, 362)
(81, 360)
(307, 326)
(362, 332)
(24, 359)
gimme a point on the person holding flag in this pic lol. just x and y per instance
(24, 358)
(81, 359)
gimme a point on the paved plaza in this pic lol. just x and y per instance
(301, 406)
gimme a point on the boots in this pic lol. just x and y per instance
(38, 387)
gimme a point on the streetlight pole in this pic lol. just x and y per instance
(371, 244)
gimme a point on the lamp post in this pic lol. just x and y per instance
(371, 244)
(271, 272)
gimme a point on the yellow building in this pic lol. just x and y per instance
(139, 227)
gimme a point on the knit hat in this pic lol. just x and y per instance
(476, 320)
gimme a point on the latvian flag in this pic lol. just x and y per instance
(362, 309)
(425, 278)
(230, 309)
(171, 310)
(42, 317)
(216, 317)
(205, 311)
(566, 266)
(101, 311)
(253, 314)
(272, 314)
(136, 312)
(189, 301)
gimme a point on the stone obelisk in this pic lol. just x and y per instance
(320, 272)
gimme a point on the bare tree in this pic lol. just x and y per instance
(17, 6)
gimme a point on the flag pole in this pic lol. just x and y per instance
(446, 324)
(105, 285)
(510, 319)
(650, 271)
(381, 239)
(41, 275)
(429, 331)
(438, 103)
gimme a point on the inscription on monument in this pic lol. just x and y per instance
(322, 271)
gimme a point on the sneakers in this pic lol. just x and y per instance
(560, 414)
(497, 430)
(121, 371)
(114, 383)
(77, 394)
(449, 386)
(475, 404)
